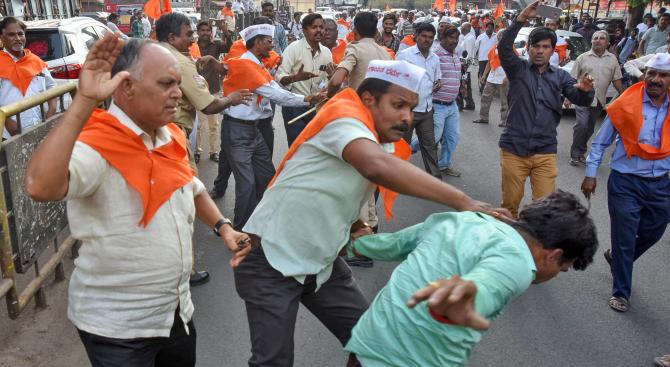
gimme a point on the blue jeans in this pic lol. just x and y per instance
(447, 132)
(639, 213)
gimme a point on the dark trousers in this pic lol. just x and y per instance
(480, 72)
(272, 300)
(639, 212)
(224, 172)
(468, 101)
(425, 131)
(176, 351)
(583, 129)
(251, 162)
(293, 130)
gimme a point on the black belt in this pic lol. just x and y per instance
(653, 179)
(443, 103)
(235, 119)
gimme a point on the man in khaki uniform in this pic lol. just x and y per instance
(358, 54)
(174, 32)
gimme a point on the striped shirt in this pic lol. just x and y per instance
(450, 67)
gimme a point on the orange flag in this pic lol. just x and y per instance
(439, 4)
(194, 51)
(499, 10)
(155, 8)
(452, 7)
(388, 8)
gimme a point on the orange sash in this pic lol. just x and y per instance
(346, 104)
(338, 50)
(625, 113)
(238, 49)
(21, 72)
(227, 12)
(562, 51)
(343, 22)
(194, 51)
(494, 59)
(244, 74)
(408, 40)
(391, 53)
(351, 37)
(155, 174)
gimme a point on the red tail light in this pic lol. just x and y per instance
(67, 71)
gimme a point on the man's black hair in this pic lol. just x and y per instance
(261, 20)
(560, 221)
(390, 16)
(250, 43)
(493, 25)
(424, 27)
(448, 31)
(365, 24)
(376, 87)
(130, 54)
(309, 20)
(112, 16)
(203, 23)
(266, 4)
(7, 21)
(664, 15)
(540, 34)
(170, 23)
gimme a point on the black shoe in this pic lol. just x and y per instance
(469, 108)
(198, 278)
(362, 262)
(216, 194)
(214, 157)
(480, 121)
(196, 158)
(577, 162)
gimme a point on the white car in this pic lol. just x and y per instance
(64, 43)
(576, 44)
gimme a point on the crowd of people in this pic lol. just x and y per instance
(355, 107)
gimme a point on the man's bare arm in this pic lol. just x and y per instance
(403, 177)
(336, 81)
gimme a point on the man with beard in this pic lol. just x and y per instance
(528, 144)
(421, 56)
(638, 188)
(605, 69)
(300, 71)
(213, 76)
(22, 75)
(388, 39)
(241, 140)
(327, 175)
(279, 39)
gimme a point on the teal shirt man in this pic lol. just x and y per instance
(475, 246)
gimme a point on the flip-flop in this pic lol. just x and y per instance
(618, 304)
(662, 361)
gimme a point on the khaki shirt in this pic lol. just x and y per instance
(604, 70)
(194, 88)
(298, 54)
(358, 55)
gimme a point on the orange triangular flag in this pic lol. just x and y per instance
(388, 8)
(439, 4)
(155, 8)
(499, 10)
(452, 7)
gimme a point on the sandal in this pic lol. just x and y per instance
(662, 361)
(618, 304)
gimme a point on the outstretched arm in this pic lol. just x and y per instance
(47, 174)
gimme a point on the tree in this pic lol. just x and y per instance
(636, 10)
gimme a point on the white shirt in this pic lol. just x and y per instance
(146, 25)
(468, 44)
(432, 66)
(295, 28)
(497, 75)
(128, 280)
(323, 193)
(238, 7)
(10, 94)
(298, 54)
(483, 45)
(271, 91)
(555, 59)
(642, 27)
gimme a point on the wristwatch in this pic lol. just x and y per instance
(219, 224)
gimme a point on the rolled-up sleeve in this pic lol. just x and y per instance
(349, 60)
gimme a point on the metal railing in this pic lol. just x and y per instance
(9, 239)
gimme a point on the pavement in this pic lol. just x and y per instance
(565, 322)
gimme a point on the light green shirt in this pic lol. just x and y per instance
(304, 219)
(473, 245)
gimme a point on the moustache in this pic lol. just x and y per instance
(657, 85)
(401, 127)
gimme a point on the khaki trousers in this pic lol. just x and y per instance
(487, 96)
(211, 123)
(542, 170)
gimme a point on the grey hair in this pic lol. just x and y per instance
(601, 33)
(129, 58)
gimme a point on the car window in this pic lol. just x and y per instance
(577, 46)
(70, 40)
(101, 31)
(47, 45)
(89, 36)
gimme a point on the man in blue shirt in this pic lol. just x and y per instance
(638, 190)
(280, 41)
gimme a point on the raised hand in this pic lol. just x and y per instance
(95, 79)
(453, 298)
(585, 83)
(529, 12)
